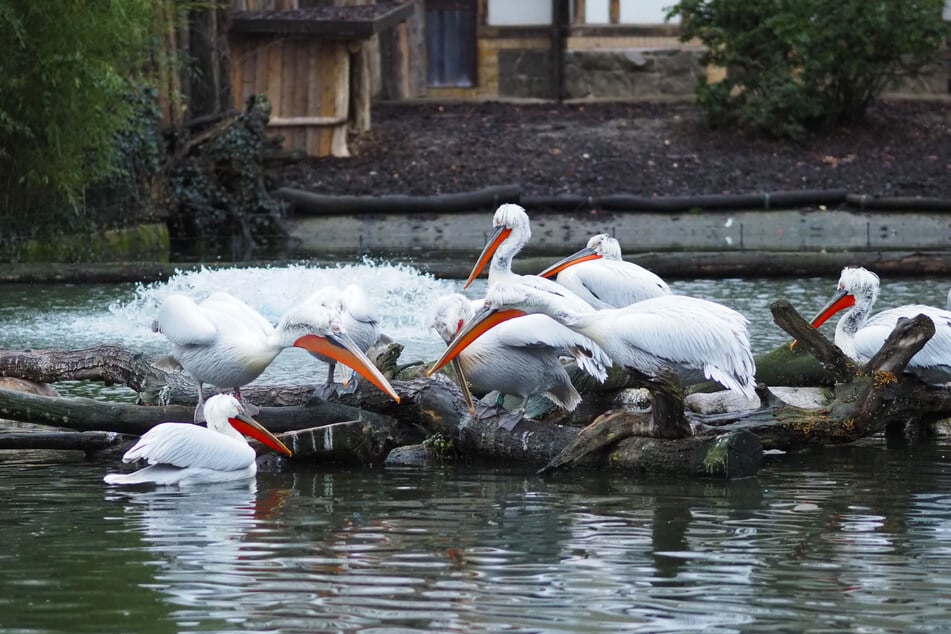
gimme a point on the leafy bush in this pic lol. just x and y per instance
(64, 95)
(798, 65)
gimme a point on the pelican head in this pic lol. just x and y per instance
(510, 225)
(508, 300)
(605, 246)
(857, 287)
(225, 415)
(451, 313)
(313, 327)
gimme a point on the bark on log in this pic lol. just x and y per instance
(58, 440)
(866, 399)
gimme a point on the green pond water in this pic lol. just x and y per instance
(854, 539)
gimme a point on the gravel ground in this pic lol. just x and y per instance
(645, 149)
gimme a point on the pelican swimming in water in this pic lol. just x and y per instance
(183, 453)
(692, 338)
(860, 336)
(355, 313)
(224, 342)
(519, 357)
(600, 276)
(510, 232)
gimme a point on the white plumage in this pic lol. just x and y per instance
(600, 276)
(510, 232)
(354, 312)
(692, 338)
(860, 336)
(519, 357)
(183, 453)
(224, 342)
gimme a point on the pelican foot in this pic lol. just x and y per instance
(510, 420)
(327, 391)
(483, 410)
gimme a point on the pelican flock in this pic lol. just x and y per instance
(691, 338)
(591, 306)
(182, 454)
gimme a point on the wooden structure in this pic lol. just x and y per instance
(314, 66)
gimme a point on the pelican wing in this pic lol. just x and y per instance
(612, 283)
(182, 322)
(359, 305)
(682, 331)
(235, 311)
(537, 330)
(185, 445)
(936, 353)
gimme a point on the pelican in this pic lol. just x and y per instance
(519, 357)
(226, 343)
(183, 454)
(356, 314)
(860, 337)
(511, 232)
(599, 275)
(694, 339)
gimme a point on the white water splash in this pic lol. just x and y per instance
(402, 294)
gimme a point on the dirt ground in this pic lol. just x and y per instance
(647, 149)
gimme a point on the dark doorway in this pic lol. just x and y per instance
(451, 43)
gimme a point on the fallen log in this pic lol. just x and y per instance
(88, 441)
(364, 426)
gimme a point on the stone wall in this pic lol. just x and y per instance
(632, 73)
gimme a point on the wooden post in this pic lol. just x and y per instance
(359, 115)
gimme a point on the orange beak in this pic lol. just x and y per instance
(840, 301)
(340, 347)
(250, 427)
(498, 237)
(584, 255)
(481, 322)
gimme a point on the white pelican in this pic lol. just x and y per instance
(600, 276)
(226, 343)
(860, 337)
(511, 232)
(355, 313)
(693, 338)
(184, 454)
(519, 357)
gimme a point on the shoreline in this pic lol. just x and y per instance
(669, 265)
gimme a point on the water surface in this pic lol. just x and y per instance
(853, 538)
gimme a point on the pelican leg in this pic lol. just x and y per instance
(351, 385)
(329, 388)
(200, 407)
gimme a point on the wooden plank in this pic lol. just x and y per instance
(579, 12)
(301, 65)
(614, 11)
(327, 22)
(275, 58)
(312, 135)
(360, 97)
(289, 122)
(260, 69)
(341, 94)
(287, 80)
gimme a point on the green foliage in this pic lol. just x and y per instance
(799, 65)
(64, 81)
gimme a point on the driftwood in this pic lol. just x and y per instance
(366, 426)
